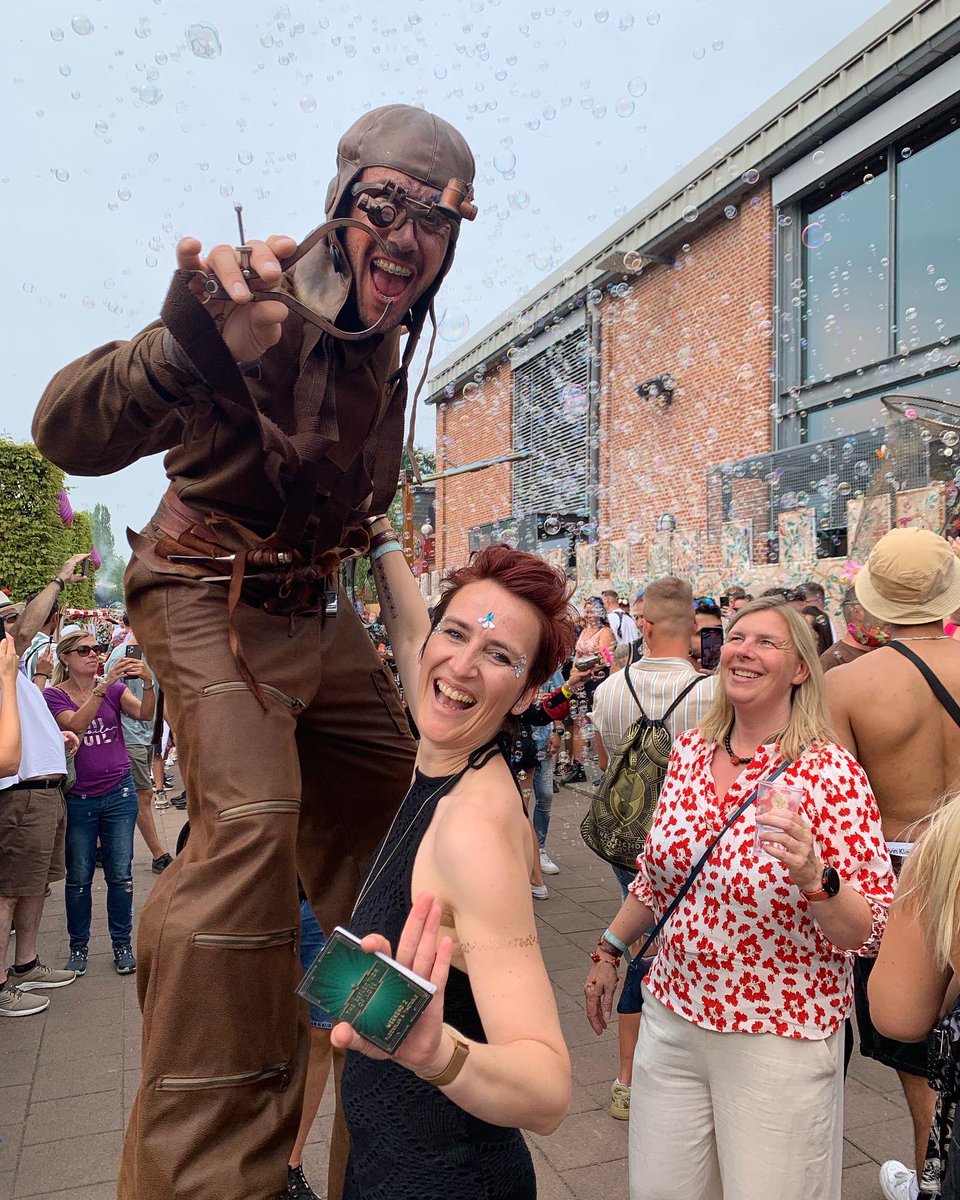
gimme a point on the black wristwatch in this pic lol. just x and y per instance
(829, 885)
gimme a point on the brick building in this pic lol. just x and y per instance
(700, 388)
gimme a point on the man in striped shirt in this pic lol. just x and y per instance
(658, 678)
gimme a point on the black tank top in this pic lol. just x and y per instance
(407, 1140)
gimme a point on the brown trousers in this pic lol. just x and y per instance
(309, 786)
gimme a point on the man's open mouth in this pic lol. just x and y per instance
(390, 278)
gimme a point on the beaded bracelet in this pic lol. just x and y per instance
(612, 959)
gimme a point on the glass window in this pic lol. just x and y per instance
(846, 256)
(928, 238)
(867, 413)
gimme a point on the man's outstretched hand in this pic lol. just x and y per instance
(247, 329)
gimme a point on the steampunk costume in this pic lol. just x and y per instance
(293, 744)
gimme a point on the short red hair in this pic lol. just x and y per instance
(543, 587)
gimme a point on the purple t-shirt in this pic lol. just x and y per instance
(101, 762)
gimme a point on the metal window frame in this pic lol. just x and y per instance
(892, 372)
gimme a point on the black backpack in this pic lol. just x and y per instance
(622, 809)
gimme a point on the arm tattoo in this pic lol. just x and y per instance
(528, 939)
(383, 590)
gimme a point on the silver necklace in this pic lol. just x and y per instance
(374, 872)
(933, 637)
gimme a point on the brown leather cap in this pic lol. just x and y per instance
(410, 139)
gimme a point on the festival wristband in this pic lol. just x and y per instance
(615, 941)
(385, 548)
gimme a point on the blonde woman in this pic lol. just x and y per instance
(102, 803)
(738, 1068)
(916, 971)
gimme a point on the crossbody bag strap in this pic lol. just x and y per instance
(936, 686)
(702, 860)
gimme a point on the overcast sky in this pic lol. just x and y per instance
(130, 124)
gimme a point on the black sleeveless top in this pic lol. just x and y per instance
(407, 1140)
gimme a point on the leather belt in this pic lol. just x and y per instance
(36, 785)
(264, 572)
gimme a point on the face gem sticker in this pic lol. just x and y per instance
(486, 622)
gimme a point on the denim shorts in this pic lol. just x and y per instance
(312, 942)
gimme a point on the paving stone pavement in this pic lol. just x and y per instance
(69, 1075)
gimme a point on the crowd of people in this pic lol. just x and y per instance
(763, 781)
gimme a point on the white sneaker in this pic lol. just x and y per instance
(547, 865)
(539, 891)
(898, 1182)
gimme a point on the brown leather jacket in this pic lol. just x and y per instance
(129, 399)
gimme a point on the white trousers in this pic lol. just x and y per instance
(733, 1116)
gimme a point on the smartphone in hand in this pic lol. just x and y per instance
(711, 643)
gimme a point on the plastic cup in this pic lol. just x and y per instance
(774, 796)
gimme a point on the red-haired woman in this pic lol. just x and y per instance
(448, 893)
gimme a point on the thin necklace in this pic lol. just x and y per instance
(933, 637)
(374, 872)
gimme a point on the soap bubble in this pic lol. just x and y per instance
(204, 41)
(950, 437)
(64, 69)
(519, 200)
(910, 314)
(504, 161)
(454, 325)
(601, 15)
(690, 213)
(625, 107)
(56, 33)
(653, 17)
(699, 53)
(574, 402)
(471, 390)
(245, 158)
(88, 302)
(226, 189)
(61, 175)
(632, 261)
(81, 25)
(730, 211)
(637, 87)
(751, 176)
(813, 235)
(150, 94)
(308, 104)
(817, 158)
(626, 21)
(941, 285)
(123, 193)
(551, 525)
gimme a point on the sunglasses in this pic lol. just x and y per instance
(83, 651)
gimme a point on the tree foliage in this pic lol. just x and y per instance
(35, 543)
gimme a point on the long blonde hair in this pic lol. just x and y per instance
(64, 646)
(931, 879)
(809, 718)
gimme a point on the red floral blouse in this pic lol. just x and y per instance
(743, 953)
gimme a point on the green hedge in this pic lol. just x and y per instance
(35, 543)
